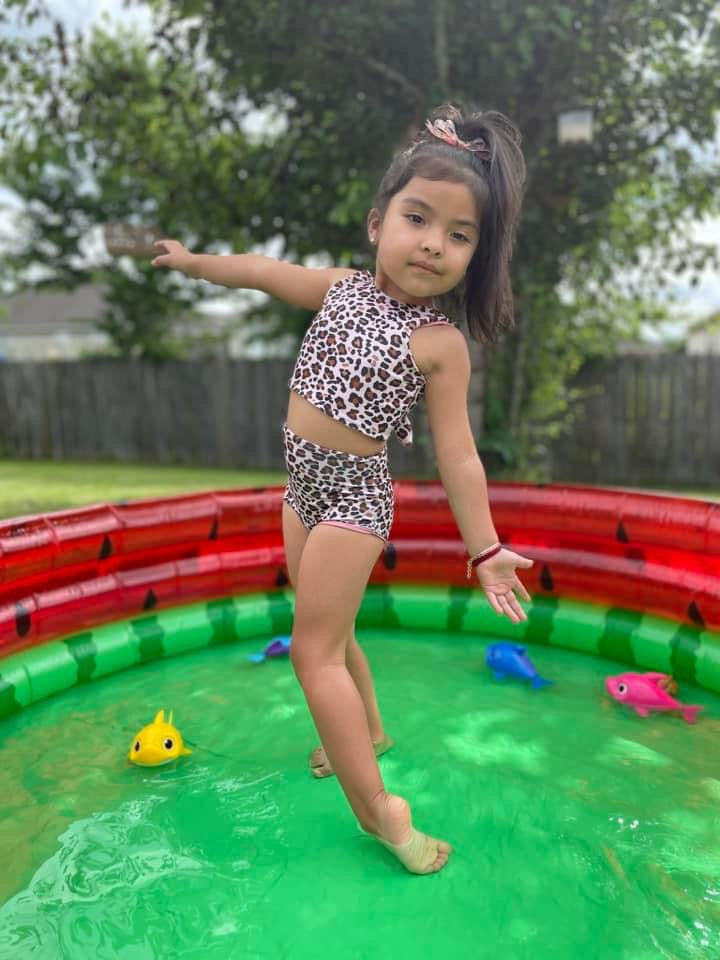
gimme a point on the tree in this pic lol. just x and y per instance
(165, 125)
(351, 78)
(108, 129)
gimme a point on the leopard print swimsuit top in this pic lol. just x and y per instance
(355, 362)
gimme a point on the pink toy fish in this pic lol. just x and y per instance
(645, 692)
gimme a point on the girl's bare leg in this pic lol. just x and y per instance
(295, 536)
(359, 668)
(360, 672)
(334, 569)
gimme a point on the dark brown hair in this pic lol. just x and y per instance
(495, 175)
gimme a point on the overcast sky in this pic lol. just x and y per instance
(80, 14)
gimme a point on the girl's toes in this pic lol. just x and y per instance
(322, 771)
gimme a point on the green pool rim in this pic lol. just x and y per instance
(630, 638)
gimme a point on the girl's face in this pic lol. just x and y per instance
(426, 239)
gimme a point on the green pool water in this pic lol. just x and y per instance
(581, 830)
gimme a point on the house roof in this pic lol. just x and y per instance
(707, 324)
(43, 312)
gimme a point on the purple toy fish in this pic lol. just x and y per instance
(278, 647)
(645, 692)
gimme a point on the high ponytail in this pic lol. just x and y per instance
(486, 156)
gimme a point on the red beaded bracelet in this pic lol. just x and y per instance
(482, 557)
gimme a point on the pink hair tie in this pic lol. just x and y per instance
(445, 130)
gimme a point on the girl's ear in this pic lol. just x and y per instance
(373, 225)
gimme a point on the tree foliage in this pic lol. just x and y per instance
(351, 79)
(342, 84)
(112, 129)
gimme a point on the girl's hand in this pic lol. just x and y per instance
(174, 256)
(499, 581)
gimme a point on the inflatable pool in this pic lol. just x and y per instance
(576, 822)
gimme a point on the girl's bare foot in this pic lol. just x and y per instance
(417, 852)
(320, 765)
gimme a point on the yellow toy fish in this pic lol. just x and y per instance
(157, 743)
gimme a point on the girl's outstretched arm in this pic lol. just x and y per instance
(300, 286)
(447, 369)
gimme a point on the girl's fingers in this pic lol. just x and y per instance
(494, 602)
(518, 610)
(522, 591)
(509, 605)
(501, 605)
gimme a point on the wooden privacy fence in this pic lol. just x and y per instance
(644, 421)
(641, 420)
(218, 412)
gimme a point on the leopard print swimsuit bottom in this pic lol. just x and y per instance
(332, 486)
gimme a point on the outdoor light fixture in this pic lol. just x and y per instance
(575, 126)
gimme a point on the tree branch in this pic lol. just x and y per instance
(441, 54)
(393, 75)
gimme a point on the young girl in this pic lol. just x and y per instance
(443, 226)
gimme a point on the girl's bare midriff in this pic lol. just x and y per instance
(312, 424)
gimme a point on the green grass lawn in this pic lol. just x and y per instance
(36, 486)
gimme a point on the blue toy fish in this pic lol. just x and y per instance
(278, 647)
(510, 660)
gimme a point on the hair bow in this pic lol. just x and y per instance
(445, 130)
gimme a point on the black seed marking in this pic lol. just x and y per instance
(546, 580)
(22, 620)
(106, 548)
(695, 614)
(150, 600)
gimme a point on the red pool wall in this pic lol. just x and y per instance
(63, 572)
